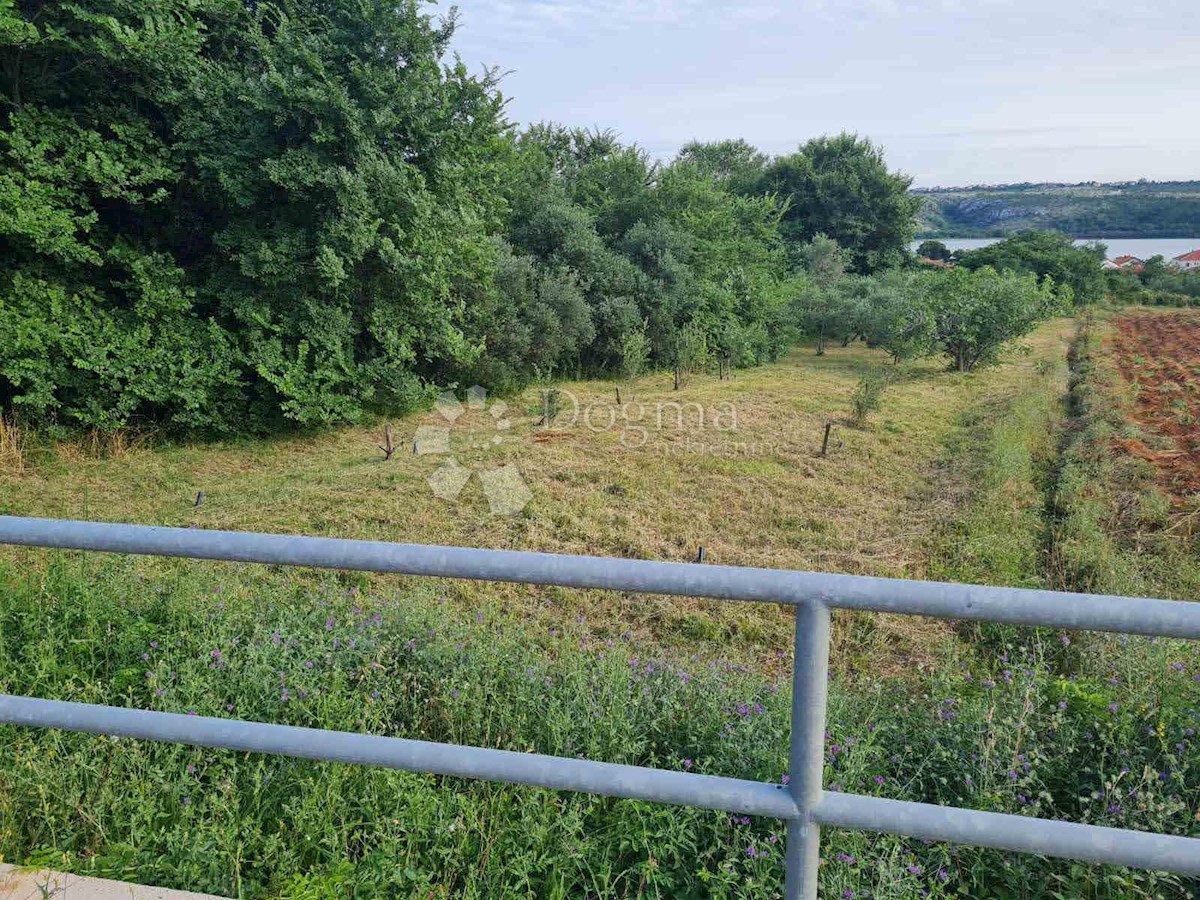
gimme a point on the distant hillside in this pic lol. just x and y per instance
(1144, 209)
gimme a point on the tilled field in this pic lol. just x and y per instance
(1160, 355)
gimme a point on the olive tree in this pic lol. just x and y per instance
(975, 313)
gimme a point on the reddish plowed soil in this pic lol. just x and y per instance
(1161, 355)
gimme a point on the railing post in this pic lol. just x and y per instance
(807, 758)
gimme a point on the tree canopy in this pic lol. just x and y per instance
(216, 213)
(1046, 254)
(841, 187)
(228, 216)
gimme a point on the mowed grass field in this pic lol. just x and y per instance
(748, 484)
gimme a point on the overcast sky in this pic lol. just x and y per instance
(964, 92)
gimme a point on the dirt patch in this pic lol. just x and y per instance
(1159, 356)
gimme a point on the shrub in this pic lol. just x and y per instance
(868, 395)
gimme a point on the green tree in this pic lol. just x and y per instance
(1155, 267)
(840, 186)
(1048, 255)
(931, 249)
(688, 353)
(821, 305)
(977, 312)
(899, 318)
(233, 213)
(735, 165)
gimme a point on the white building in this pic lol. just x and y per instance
(1188, 262)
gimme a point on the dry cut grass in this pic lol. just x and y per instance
(733, 466)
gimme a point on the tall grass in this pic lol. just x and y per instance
(1004, 462)
(999, 733)
(12, 447)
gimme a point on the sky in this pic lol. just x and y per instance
(965, 92)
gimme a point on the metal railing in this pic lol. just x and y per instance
(803, 803)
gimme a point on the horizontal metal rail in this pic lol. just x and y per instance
(1049, 837)
(535, 769)
(1016, 606)
(1024, 834)
(804, 805)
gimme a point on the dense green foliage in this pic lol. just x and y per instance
(223, 217)
(842, 188)
(975, 313)
(967, 314)
(643, 249)
(1034, 728)
(218, 214)
(931, 249)
(1125, 210)
(1047, 255)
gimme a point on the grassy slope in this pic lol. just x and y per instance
(760, 496)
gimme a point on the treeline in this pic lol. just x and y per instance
(1158, 284)
(967, 312)
(226, 217)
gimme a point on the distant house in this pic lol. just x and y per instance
(1130, 263)
(1111, 266)
(1188, 262)
(940, 263)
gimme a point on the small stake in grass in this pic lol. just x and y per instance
(825, 440)
(199, 498)
(700, 555)
(388, 447)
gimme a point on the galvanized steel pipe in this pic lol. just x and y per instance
(1016, 606)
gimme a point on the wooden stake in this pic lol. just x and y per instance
(389, 448)
(825, 442)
